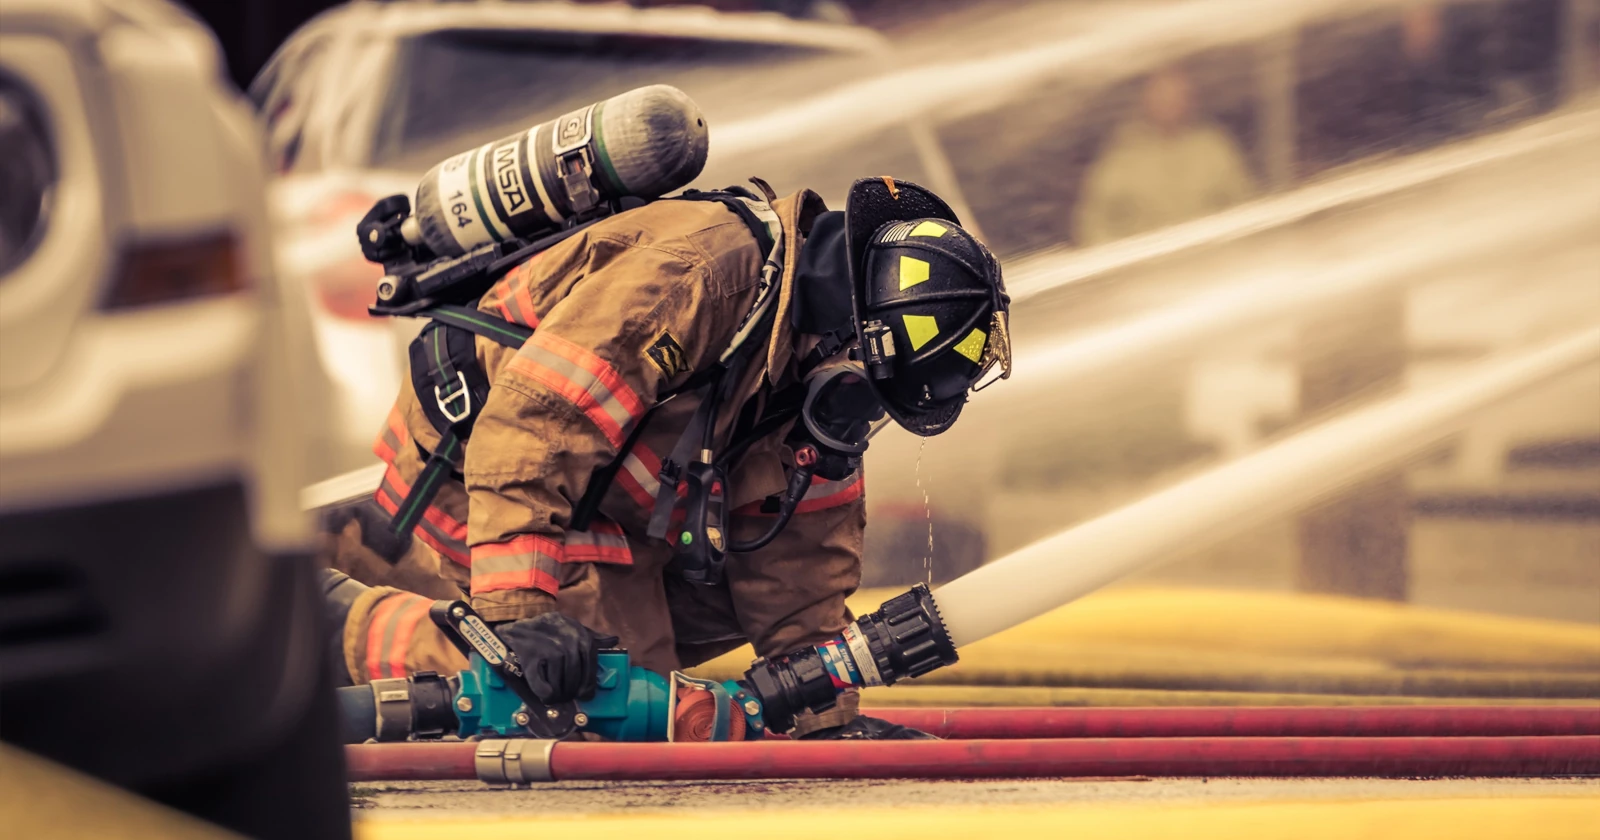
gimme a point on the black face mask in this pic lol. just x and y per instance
(841, 411)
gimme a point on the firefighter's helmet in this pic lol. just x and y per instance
(930, 306)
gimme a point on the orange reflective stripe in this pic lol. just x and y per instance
(513, 297)
(604, 542)
(394, 436)
(823, 495)
(832, 494)
(406, 622)
(439, 530)
(378, 631)
(524, 299)
(442, 537)
(638, 476)
(527, 561)
(513, 306)
(583, 379)
(392, 491)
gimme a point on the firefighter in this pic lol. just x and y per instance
(888, 310)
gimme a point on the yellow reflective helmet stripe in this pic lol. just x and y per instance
(972, 345)
(921, 329)
(912, 272)
(933, 229)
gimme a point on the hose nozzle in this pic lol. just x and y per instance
(904, 638)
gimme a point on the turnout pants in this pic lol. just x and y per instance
(777, 600)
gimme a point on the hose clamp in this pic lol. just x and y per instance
(861, 652)
(514, 761)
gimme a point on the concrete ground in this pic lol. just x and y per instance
(575, 798)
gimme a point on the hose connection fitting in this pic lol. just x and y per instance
(904, 638)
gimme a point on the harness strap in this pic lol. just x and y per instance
(427, 485)
(492, 327)
(767, 230)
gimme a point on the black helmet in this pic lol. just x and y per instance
(930, 307)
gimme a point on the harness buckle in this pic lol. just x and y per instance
(459, 393)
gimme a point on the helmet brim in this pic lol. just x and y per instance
(871, 204)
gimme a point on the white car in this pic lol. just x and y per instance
(157, 612)
(365, 98)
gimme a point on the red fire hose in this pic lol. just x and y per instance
(1517, 756)
(1350, 721)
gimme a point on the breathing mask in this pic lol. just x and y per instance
(841, 411)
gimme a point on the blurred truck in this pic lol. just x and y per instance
(158, 618)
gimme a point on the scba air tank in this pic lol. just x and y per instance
(644, 143)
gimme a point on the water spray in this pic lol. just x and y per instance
(1276, 480)
(917, 632)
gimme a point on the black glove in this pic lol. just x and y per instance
(865, 728)
(560, 656)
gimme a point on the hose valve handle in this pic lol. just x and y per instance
(475, 638)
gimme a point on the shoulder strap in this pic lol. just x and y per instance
(492, 327)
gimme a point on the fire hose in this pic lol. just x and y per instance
(530, 760)
(1377, 722)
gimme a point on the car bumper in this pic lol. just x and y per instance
(144, 640)
(142, 401)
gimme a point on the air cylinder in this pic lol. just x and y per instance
(644, 143)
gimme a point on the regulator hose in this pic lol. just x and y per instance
(799, 483)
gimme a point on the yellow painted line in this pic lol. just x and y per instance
(1541, 818)
(950, 696)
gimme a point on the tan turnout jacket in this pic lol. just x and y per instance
(623, 312)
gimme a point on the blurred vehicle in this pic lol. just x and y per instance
(158, 619)
(363, 99)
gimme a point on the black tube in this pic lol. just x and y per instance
(799, 483)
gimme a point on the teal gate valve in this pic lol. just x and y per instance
(630, 703)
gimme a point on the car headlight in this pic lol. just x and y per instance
(27, 172)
